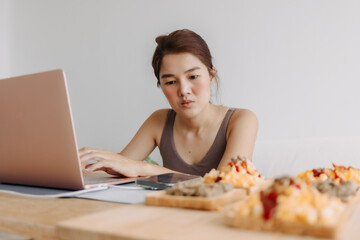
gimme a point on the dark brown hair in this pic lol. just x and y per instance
(181, 41)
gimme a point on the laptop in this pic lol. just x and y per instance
(37, 137)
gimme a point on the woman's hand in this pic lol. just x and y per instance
(107, 161)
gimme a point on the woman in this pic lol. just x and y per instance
(195, 135)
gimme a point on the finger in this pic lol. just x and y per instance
(86, 150)
(111, 172)
(92, 156)
(95, 167)
(85, 168)
(88, 165)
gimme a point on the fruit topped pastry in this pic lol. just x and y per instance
(240, 172)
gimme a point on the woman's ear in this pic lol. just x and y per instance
(212, 74)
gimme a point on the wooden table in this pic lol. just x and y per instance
(147, 222)
(81, 219)
(37, 218)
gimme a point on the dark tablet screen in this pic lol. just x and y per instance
(165, 180)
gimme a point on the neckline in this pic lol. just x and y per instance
(211, 147)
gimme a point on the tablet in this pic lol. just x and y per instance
(166, 180)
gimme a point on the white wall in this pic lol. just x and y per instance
(4, 37)
(294, 63)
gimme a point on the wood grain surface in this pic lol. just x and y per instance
(149, 222)
(160, 198)
(37, 218)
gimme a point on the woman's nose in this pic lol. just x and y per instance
(184, 88)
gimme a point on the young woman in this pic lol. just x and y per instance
(193, 136)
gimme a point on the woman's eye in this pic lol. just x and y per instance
(194, 76)
(169, 82)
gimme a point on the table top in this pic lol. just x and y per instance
(72, 218)
(148, 222)
(37, 218)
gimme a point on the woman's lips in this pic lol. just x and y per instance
(186, 103)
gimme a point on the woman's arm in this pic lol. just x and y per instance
(241, 136)
(116, 164)
(129, 161)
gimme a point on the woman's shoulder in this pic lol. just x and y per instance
(155, 123)
(158, 117)
(243, 113)
(242, 121)
(243, 116)
(237, 114)
(160, 113)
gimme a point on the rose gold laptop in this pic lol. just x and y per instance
(37, 139)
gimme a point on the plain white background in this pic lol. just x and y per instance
(294, 63)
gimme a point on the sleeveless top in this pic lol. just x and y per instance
(171, 158)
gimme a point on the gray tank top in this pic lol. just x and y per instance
(171, 158)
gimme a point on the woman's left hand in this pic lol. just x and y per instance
(93, 159)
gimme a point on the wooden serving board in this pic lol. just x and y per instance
(334, 231)
(259, 224)
(160, 198)
(148, 222)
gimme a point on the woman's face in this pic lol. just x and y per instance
(186, 83)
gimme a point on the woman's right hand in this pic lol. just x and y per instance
(112, 163)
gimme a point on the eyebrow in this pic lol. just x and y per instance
(187, 71)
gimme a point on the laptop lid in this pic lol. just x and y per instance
(37, 139)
